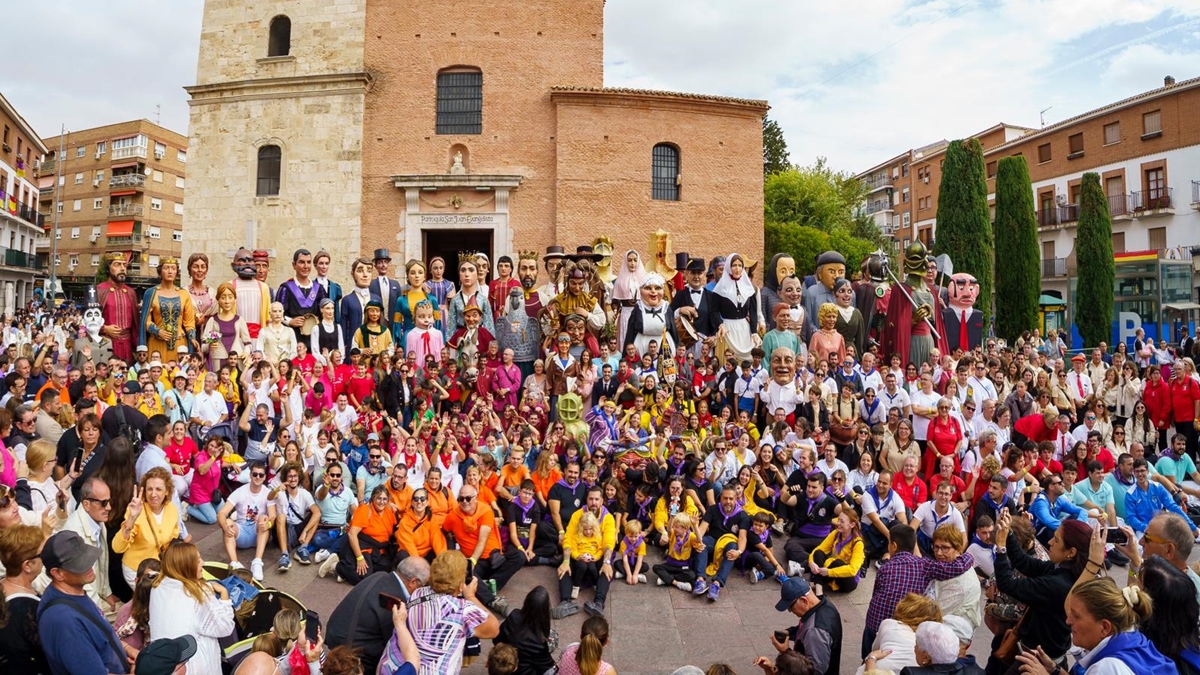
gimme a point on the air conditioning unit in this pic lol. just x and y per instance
(1061, 199)
(158, 154)
(94, 238)
(95, 182)
(925, 180)
(99, 154)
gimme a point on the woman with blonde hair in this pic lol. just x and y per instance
(1104, 620)
(837, 562)
(43, 489)
(895, 644)
(149, 526)
(181, 603)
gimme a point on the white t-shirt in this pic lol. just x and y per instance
(887, 509)
(209, 407)
(294, 509)
(249, 505)
(921, 424)
(928, 520)
(824, 468)
(898, 400)
(344, 419)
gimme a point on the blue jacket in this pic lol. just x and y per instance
(73, 643)
(1134, 650)
(1142, 505)
(1050, 515)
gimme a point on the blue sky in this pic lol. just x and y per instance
(855, 81)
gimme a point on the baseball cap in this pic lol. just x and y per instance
(162, 656)
(181, 349)
(793, 589)
(67, 550)
(132, 388)
(142, 348)
(372, 436)
(156, 364)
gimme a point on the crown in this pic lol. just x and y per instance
(112, 257)
(169, 260)
(468, 256)
(528, 255)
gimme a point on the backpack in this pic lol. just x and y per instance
(127, 430)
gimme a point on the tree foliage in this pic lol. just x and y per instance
(775, 150)
(813, 196)
(1018, 279)
(964, 228)
(1094, 257)
(805, 243)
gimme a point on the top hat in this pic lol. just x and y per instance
(382, 254)
(695, 265)
(554, 253)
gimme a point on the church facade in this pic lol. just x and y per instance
(355, 125)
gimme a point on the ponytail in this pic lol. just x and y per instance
(1123, 608)
(592, 637)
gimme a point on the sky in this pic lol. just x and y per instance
(856, 82)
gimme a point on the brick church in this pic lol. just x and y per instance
(355, 125)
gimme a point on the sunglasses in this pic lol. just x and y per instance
(104, 503)
(258, 474)
(465, 499)
(420, 499)
(375, 456)
(335, 475)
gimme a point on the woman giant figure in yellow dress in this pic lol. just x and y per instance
(168, 315)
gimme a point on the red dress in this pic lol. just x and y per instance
(942, 440)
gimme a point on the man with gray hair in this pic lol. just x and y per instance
(88, 521)
(1168, 535)
(363, 609)
(937, 645)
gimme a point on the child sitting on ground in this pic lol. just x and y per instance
(633, 554)
(683, 545)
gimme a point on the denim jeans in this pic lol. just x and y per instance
(205, 513)
(328, 539)
(726, 564)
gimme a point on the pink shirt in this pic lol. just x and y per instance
(203, 484)
(567, 665)
(181, 453)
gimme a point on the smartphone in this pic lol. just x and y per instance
(1116, 536)
(781, 636)
(312, 625)
(470, 571)
(387, 602)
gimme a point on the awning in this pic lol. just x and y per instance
(123, 193)
(1181, 306)
(120, 228)
(1050, 300)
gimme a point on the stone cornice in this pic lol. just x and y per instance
(280, 87)
(620, 97)
(451, 181)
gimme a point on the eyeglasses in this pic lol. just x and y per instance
(463, 499)
(420, 499)
(1153, 539)
(334, 475)
(104, 503)
(258, 474)
(1118, 433)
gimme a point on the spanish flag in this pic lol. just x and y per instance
(12, 204)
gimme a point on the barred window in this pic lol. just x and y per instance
(460, 102)
(665, 176)
(269, 157)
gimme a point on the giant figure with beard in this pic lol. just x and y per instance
(907, 333)
(119, 306)
(253, 296)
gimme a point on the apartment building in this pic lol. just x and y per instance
(115, 189)
(20, 223)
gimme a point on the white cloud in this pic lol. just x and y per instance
(1147, 63)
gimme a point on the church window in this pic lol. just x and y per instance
(280, 42)
(665, 175)
(268, 170)
(460, 102)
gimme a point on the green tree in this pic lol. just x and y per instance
(1018, 280)
(775, 151)
(805, 243)
(813, 196)
(964, 228)
(1094, 258)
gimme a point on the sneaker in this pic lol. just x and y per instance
(256, 569)
(321, 556)
(499, 606)
(235, 565)
(781, 577)
(302, 556)
(795, 569)
(618, 575)
(713, 592)
(564, 609)
(641, 578)
(340, 579)
(326, 567)
(778, 527)
(756, 576)
(594, 608)
(285, 562)
(659, 582)
(700, 587)
(683, 586)
(574, 592)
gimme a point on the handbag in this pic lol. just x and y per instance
(1009, 645)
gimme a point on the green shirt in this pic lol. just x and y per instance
(1177, 470)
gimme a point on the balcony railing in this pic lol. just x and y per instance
(1054, 267)
(124, 210)
(1118, 205)
(1068, 213)
(878, 205)
(1196, 192)
(127, 180)
(132, 151)
(1151, 200)
(135, 238)
(47, 167)
(877, 182)
(1048, 217)
(15, 258)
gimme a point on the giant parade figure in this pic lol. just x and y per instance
(831, 266)
(913, 326)
(964, 323)
(253, 296)
(119, 306)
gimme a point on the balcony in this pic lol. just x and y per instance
(15, 258)
(127, 180)
(1196, 194)
(1048, 217)
(1118, 207)
(135, 238)
(48, 167)
(878, 182)
(877, 206)
(132, 151)
(1068, 213)
(1054, 268)
(118, 210)
(1151, 203)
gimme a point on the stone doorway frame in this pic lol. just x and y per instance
(413, 222)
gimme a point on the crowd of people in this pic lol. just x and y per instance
(424, 441)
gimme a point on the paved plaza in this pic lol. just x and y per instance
(654, 629)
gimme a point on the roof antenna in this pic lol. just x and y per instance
(1042, 116)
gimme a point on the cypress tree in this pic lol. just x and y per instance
(964, 228)
(1094, 258)
(1018, 279)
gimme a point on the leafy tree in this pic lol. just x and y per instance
(964, 228)
(813, 196)
(805, 243)
(1094, 258)
(775, 151)
(1018, 279)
